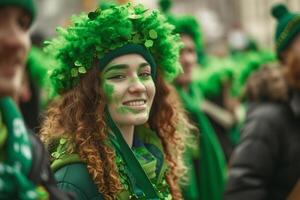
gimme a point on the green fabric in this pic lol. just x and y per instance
(212, 161)
(28, 5)
(190, 188)
(18, 147)
(131, 161)
(72, 175)
(3, 136)
(149, 137)
(75, 178)
(60, 162)
(3, 132)
(17, 159)
(288, 26)
(147, 161)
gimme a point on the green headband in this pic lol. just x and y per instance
(129, 49)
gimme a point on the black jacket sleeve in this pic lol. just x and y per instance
(253, 161)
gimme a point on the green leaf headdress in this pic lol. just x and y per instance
(94, 35)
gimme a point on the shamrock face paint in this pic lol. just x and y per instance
(129, 89)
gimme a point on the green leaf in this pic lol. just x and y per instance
(77, 63)
(153, 34)
(134, 16)
(62, 141)
(82, 70)
(136, 38)
(74, 72)
(60, 76)
(149, 43)
(55, 155)
(92, 15)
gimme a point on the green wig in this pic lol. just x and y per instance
(94, 35)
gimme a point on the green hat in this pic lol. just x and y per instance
(27, 5)
(189, 25)
(109, 33)
(287, 28)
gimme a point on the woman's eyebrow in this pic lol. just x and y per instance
(143, 65)
(115, 67)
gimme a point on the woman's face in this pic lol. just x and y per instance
(129, 89)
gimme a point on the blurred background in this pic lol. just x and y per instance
(224, 22)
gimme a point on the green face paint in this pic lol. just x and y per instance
(108, 90)
(126, 110)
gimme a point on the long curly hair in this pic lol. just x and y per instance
(78, 116)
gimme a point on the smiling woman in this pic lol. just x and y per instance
(132, 90)
(113, 133)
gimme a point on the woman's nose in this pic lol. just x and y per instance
(136, 85)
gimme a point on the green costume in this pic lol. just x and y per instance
(206, 174)
(72, 175)
(212, 162)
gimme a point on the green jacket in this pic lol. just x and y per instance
(72, 175)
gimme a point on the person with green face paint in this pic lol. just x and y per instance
(24, 168)
(115, 131)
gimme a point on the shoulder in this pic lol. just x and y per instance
(75, 178)
(268, 112)
(265, 122)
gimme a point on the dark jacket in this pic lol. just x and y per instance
(266, 163)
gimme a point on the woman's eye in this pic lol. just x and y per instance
(24, 22)
(117, 77)
(145, 74)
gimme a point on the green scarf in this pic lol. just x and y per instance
(17, 153)
(212, 161)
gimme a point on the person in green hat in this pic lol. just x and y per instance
(207, 170)
(266, 163)
(287, 37)
(24, 169)
(115, 132)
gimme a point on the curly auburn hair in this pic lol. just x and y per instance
(78, 116)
